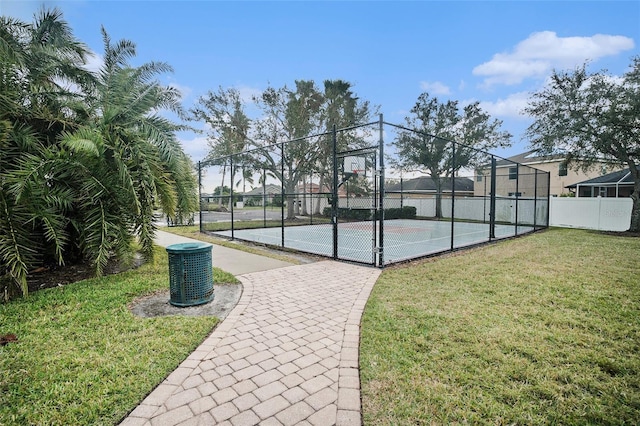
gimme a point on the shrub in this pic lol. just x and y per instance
(407, 212)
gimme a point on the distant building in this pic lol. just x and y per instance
(560, 175)
(426, 186)
(615, 185)
(261, 195)
(259, 191)
(205, 197)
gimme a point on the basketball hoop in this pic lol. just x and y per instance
(353, 166)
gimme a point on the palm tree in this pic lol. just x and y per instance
(83, 158)
(37, 62)
(224, 112)
(140, 163)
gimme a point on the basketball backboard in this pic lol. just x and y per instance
(354, 165)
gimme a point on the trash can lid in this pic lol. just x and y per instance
(189, 247)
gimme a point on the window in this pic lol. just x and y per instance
(479, 177)
(562, 169)
(513, 173)
(515, 194)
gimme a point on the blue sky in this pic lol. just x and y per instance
(493, 52)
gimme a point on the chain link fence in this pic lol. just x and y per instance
(348, 194)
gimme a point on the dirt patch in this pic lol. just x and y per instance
(60, 275)
(225, 298)
(622, 234)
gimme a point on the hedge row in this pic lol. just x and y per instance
(407, 212)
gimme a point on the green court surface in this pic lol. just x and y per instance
(403, 239)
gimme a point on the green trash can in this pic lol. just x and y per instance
(190, 274)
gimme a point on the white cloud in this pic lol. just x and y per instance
(95, 61)
(435, 88)
(197, 148)
(512, 106)
(541, 52)
(93, 65)
(185, 91)
(247, 93)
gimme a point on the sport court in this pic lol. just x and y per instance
(356, 241)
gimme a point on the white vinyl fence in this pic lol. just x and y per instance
(478, 208)
(602, 214)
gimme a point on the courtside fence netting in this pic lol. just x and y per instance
(376, 193)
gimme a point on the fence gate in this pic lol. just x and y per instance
(357, 204)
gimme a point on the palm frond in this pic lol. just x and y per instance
(18, 250)
(84, 140)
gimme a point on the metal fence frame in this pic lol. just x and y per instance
(539, 199)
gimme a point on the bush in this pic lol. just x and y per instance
(353, 214)
(407, 212)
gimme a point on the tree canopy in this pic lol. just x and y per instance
(286, 139)
(590, 118)
(84, 157)
(443, 138)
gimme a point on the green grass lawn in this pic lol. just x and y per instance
(256, 224)
(543, 329)
(194, 232)
(82, 357)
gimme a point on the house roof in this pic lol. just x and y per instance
(268, 189)
(427, 184)
(622, 177)
(530, 157)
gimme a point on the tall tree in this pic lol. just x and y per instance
(37, 61)
(84, 158)
(229, 130)
(291, 117)
(137, 150)
(591, 118)
(343, 109)
(445, 139)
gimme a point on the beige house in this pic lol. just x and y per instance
(519, 171)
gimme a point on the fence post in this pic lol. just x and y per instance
(264, 197)
(492, 200)
(231, 196)
(548, 196)
(334, 195)
(517, 196)
(453, 192)
(282, 198)
(535, 199)
(599, 198)
(484, 198)
(200, 196)
(381, 204)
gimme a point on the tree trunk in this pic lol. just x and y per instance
(319, 197)
(232, 176)
(438, 183)
(304, 197)
(291, 201)
(224, 172)
(635, 210)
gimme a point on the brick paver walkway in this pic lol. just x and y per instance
(286, 355)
